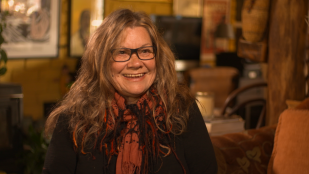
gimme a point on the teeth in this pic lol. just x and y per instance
(133, 75)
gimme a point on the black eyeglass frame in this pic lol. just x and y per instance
(135, 51)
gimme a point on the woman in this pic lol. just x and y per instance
(126, 113)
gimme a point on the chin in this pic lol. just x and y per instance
(138, 93)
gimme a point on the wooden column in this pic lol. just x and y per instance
(287, 40)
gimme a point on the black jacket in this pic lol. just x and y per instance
(193, 148)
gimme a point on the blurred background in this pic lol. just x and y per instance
(232, 43)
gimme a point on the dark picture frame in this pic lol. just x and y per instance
(32, 28)
(84, 18)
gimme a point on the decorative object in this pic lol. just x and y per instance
(84, 19)
(254, 19)
(32, 28)
(188, 8)
(224, 32)
(255, 51)
(206, 104)
(254, 43)
(220, 80)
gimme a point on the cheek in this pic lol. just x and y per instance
(116, 68)
(114, 72)
(152, 66)
(115, 81)
(113, 68)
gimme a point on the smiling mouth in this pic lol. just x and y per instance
(134, 75)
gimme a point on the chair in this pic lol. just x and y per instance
(235, 108)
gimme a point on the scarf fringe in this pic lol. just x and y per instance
(129, 168)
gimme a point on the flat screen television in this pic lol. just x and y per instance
(182, 34)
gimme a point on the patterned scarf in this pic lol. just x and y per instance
(135, 136)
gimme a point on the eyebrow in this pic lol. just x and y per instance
(144, 45)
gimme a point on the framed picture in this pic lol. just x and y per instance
(32, 29)
(84, 18)
(215, 12)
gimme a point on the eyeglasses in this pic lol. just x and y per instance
(124, 54)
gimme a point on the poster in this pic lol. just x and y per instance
(32, 28)
(215, 12)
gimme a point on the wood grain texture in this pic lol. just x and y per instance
(287, 40)
(255, 51)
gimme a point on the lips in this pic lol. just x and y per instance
(134, 75)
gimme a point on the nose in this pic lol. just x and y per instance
(134, 61)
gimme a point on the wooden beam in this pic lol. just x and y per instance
(287, 42)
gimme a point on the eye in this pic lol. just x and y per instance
(146, 50)
(121, 51)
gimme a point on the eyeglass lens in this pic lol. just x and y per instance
(124, 54)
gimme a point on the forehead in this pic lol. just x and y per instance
(131, 35)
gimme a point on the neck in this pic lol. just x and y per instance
(131, 100)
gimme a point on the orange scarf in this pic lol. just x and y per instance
(130, 153)
(134, 134)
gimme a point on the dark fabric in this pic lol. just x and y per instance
(193, 148)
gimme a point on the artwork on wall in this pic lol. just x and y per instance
(32, 29)
(85, 17)
(188, 8)
(215, 13)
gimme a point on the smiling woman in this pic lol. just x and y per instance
(126, 113)
(134, 76)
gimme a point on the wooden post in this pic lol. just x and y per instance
(287, 41)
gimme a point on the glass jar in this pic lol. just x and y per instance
(206, 104)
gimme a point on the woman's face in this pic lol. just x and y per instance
(134, 77)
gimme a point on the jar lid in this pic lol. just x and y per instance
(200, 93)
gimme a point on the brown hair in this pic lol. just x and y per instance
(92, 93)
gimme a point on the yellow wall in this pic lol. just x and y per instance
(160, 8)
(40, 77)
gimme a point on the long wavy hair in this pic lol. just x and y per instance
(91, 95)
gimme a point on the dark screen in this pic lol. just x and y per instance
(182, 34)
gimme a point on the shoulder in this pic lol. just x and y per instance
(62, 123)
(184, 99)
(62, 133)
(194, 108)
(194, 112)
